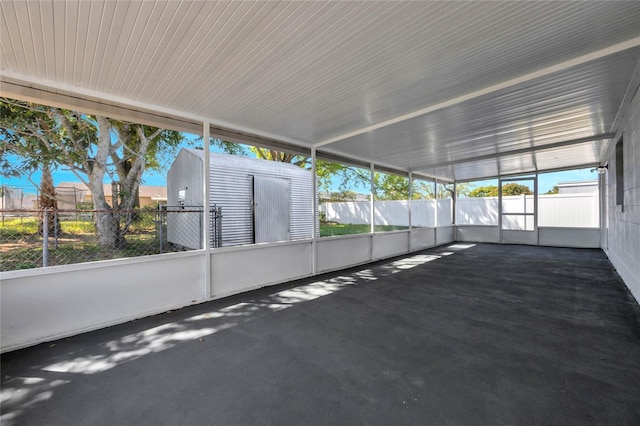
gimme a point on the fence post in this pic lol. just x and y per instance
(160, 225)
(45, 238)
(55, 229)
(219, 226)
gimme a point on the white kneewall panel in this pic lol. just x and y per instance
(390, 244)
(478, 234)
(569, 237)
(342, 252)
(50, 303)
(238, 269)
(422, 238)
(623, 233)
(445, 235)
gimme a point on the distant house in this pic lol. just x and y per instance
(69, 194)
(579, 187)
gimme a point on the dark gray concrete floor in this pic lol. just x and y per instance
(486, 335)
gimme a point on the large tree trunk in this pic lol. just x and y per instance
(108, 226)
(106, 217)
(48, 201)
(107, 221)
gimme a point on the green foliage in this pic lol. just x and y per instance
(78, 227)
(508, 189)
(92, 147)
(422, 190)
(342, 196)
(39, 135)
(553, 190)
(515, 189)
(16, 228)
(484, 191)
(390, 187)
(349, 177)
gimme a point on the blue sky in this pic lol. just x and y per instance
(546, 181)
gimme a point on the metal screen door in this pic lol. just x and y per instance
(518, 213)
(270, 209)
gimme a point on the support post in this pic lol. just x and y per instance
(160, 222)
(55, 230)
(454, 210)
(410, 199)
(372, 216)
(45, 237)
(435, 211)
(535, 208)
(206, 226)
(410, 194)
(314, 213)
(372, 190)
(500, 210)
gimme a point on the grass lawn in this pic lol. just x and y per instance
(332, 229)
(21, 245)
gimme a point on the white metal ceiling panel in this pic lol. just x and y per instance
(579, 102)
(579, 155)
(308, 72)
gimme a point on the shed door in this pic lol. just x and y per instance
(270, 209)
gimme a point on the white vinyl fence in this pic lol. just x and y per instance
(423, 212)
(560, 210)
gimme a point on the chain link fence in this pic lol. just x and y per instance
(73, 236)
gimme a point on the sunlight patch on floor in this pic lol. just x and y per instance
(166, 336)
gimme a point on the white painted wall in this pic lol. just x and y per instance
(238, 269)
(445, 235)
(623, 245)
(478, 233)
(343, 251)
(569, 237)
(39, 305)
(421, 238)
(390, 244)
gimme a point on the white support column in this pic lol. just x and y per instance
(207, 211)
(410, 199)
(372, 216)
(314, 212)
(410, 208)
(373, 191)
(454, 208)
(535, 208)
(603, 209)
(500, 209)
(435, 200)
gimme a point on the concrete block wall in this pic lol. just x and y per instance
(623, 234)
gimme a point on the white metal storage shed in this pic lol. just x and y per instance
(261, 201)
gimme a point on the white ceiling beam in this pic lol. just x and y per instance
(592, 56)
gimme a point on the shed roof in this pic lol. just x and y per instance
(456, 90)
